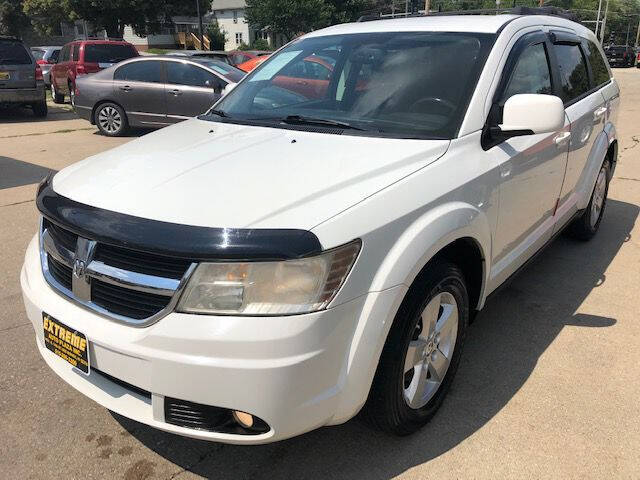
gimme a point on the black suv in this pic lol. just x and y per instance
(620, 55)
(21, 81)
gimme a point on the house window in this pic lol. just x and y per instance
(235, 16)
(238, 38)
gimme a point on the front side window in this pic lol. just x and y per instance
(186, 74)
(573, 71)
(531, 73)
(149, 71)
(598, 65)
(76, 53)
(398, 84)
(54, 56)
(37, 53)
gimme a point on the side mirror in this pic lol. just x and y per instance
(530, 113)
(228, 88)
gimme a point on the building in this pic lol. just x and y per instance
(230, 15)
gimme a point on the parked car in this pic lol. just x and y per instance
(21, 80)
(236, 57)
(212, 54)
(46, 57)
(271, 267)
(151, 91)
(82, 57)
(249, 65)
(620, 55)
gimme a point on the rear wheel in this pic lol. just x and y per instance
(57, 97)
(586, 225)
(422, 352)
(40, 109)
(111, 119)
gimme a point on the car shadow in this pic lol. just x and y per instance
(502, 349)
(15, 173)
(56, 113)
(131, 132)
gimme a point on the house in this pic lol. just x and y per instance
(231, 19)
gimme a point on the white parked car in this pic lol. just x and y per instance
(319, 241)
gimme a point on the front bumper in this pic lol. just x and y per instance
(289, 371)
(85, 113)
(23, 95)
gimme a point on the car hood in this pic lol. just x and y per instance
(224, 175)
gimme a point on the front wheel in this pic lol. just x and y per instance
(111, 119)
(586, 225)
(422, 352)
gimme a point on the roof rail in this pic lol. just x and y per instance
(82, 37)
(552, 11)
(369, 17)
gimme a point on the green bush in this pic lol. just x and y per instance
(260, 44)
(217, 37)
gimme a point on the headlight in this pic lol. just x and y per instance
(269, 288)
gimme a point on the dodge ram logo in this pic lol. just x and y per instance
(79, 267)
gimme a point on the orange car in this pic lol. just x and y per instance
(252, 63)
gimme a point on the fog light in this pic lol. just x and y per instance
(244, 419)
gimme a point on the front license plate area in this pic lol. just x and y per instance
(67, 343)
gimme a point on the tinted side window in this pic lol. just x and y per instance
(573, 71)
(598, 64)
(185, 74)
(531, 74)
(144, 71)
(108, 53)
(76, 53)
(54, 56)
(64, 55)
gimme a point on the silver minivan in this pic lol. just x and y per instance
(21, 81)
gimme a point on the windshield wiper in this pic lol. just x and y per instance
(219, 113)
(303, 120)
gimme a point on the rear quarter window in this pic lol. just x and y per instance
(14, 53)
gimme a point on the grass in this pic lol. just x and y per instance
(158, 51)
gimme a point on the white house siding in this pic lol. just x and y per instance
(150, 41)
(236, 28)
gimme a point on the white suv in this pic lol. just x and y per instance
(319, 241)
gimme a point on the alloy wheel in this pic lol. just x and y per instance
(109, 119)
(430, 350)
(599, 194)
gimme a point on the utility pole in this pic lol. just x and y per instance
(604, 22)
(628, 28)
(200, 24)
(638, 33)
(598, 18)
(427, 6)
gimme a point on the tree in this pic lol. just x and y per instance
(288, 17)
(12, 18)
(217, 37)
(145, 16)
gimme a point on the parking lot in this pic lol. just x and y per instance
(548, 386)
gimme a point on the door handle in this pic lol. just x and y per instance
(562, 138)
(301, 82)
(126, 88)
(599, 112)
(175, 92)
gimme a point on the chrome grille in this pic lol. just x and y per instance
(125, 285)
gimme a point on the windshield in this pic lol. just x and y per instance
(399, 84)
(108, 53)
(37, 53)
(14, 53)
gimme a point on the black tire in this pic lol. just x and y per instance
(386, 406)
(57, 97)
(40, 109)
(118, 126)
(586, 226)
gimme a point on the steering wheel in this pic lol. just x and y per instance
(436, 101)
